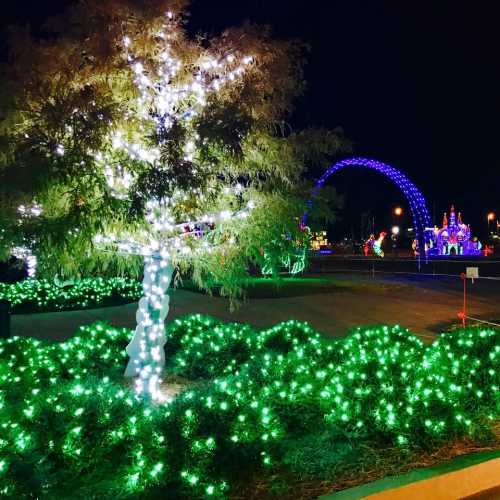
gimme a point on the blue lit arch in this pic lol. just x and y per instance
(420, 214)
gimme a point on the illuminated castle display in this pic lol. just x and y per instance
(453, 238)
(319, 241)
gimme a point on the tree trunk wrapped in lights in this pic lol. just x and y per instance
(146, 349)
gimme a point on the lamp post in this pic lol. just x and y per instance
(394, 238)
(490, 217)
(396, 220)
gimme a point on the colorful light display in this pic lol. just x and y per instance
(319, 241)
(377, 244)
(420, 214)
(453, 238)
(294, 262)
(379, 385)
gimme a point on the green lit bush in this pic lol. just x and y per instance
(47, 295)
(202, 347)
(29, 365)
(70, 426)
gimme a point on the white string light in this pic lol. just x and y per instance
(23, 252)
(164, 100)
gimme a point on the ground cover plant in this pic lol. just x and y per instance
(43, 295)
(70, 427)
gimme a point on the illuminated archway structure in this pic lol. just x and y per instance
(420, 214)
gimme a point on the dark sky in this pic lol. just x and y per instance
(414, 83)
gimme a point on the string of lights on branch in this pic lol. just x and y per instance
(168, 93)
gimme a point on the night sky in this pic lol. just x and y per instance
(413, 83)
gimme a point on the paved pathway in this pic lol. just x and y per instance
(424, 306)
(476, 475)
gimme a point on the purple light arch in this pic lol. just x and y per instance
(420, 214)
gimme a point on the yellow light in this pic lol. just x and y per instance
(491, 216)
(398, 211)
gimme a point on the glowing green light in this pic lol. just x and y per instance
(283, 375)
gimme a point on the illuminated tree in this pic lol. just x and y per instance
(139, 140)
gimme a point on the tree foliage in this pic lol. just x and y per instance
(72, 90)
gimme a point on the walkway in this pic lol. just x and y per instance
(424, 306)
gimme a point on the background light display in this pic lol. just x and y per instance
(453, 238)
(420, 214)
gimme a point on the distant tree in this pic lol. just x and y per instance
(135, 139)
(325, 210)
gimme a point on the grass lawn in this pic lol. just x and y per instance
(283, 287)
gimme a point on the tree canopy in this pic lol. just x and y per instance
(119, 105)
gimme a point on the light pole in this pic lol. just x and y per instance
(396, 219)
(394, 238)
(490, 217)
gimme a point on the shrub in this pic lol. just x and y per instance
(71, 427)
(201, 347)
(43, 295)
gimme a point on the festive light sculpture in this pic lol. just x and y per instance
(294, 262)
(319, 241)
(377, 244)
(168, 94)
(420, 214)
(374, 245)
(453, 238)
(288, 254)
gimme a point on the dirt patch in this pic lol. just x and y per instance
(373, 464)
(171, 386)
